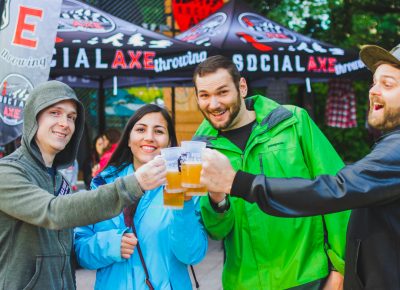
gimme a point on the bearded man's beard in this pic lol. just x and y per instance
(389, 120)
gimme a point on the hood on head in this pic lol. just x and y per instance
(42, 97)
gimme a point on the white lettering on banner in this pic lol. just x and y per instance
(276, 63)
(23, 62)
(251, 62)
(136, 40)
(129, 59)
(264, 58)
(99, 64)
(298, 66)
(238, 60)
(66, 57)
(285, 63)
(82, 59)
(348, 67)
(190, 58)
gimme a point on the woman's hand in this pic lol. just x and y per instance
(128, 244)
(152, 174)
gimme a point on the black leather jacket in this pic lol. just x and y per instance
(372, 188)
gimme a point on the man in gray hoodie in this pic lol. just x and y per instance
(37, 211)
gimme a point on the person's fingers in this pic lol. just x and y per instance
(152, 174)
(129, 239)
(128, 243)
(126, 253)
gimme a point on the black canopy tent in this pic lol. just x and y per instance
(263, 50)
(93, 47)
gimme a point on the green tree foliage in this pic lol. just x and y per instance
(347, 24)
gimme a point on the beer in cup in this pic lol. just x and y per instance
(174, 200)
(173, 190)
(191, 164)
(172, 157)
(196, 191)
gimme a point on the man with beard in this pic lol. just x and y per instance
(260, 136)
(371, 186)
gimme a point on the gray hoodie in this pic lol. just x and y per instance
(37, 211)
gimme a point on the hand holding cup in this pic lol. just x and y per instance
(217, 173)
(152, 174)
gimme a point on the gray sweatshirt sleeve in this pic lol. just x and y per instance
(22, 199)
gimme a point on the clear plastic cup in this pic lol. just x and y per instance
(172, 157)
(192, 163)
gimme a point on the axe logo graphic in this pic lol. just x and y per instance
(5, 17)
(75, 18)
(14, 91)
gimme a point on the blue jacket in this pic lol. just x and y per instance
(170, 240)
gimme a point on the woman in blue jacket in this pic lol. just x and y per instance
(170, 240)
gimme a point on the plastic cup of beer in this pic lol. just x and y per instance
(199, 191)
(173, 192)
(191, 165)
(173, 200)
(172, 157)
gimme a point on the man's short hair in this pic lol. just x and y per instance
(214, 63)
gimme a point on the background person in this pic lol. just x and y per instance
(371, 186)
(169, 239)
(37, 211)
(260, 136)
(110, 141)
(97, 152)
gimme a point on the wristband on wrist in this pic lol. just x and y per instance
(221, 206)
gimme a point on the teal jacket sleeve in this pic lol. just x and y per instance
(99, 245)
(96, 250)
(187, 235)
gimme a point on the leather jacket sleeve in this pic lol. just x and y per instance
(374, 180)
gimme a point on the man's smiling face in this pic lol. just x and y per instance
(218, 99)
(384, 96)
(56, 125)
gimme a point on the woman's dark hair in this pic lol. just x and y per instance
(122, 155)
(113, 135)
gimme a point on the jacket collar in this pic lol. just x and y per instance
(269, 114)
(393, 132)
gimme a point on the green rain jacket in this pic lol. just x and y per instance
(262, 251)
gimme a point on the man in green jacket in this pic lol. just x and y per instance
(37, 211)
(260, 136)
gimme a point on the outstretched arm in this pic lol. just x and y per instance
(373, 180)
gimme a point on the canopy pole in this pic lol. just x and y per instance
(101, 105)
(1, 9)
(173, 104)
(173, 93)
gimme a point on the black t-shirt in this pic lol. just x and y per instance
(240, 135)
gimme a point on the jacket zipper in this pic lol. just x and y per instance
(261, 164)
(59, 241)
